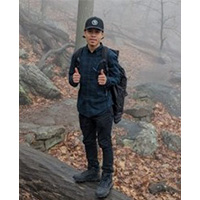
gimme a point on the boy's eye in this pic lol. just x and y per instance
(97, 31)
(93, 31)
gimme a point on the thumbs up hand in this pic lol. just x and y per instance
(102, 78)
(76, 76)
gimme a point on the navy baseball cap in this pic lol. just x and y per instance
(94, 22)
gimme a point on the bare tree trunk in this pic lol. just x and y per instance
(85, 10)
(161, 25)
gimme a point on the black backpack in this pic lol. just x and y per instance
(118, 91)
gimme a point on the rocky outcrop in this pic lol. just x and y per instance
(46, 177)
(142, 110)
(34, 80)
(169, 96)
(62, 113)
(172, 141)
(42, 137)
(141, 137)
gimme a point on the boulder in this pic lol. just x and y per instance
(62, 113)
(43, 137)
(48, 71)
(169, 96)
(38, 82)
(143, 112)
(47, 178)
(172, 141)
(141, 137)
(156, 188)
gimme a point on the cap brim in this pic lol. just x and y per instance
(93, 27)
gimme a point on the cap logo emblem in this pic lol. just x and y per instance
(94, 22)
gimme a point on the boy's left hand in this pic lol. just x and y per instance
(102, 78)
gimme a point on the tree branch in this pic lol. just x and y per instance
(53, 51)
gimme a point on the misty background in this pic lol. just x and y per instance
(150, 27)
(147, 34)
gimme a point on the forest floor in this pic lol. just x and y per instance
(133, 173)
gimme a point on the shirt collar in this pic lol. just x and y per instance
(97, 49)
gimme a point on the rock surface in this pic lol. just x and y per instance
(167, 95)
(141, 137)
(172, 141)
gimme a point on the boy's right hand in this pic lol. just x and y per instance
(76, 76)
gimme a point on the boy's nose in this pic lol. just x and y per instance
(93, 33)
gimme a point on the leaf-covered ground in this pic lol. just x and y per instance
(133, 173)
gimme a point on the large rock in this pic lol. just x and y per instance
(169, 96)
(43, 137)
(141, 137)
(172, 141)
(142, 110)
(38, 82)
(48, 71)
(60, 113)
(47, 178)
(155, 188)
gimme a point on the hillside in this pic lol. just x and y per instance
(133, 173)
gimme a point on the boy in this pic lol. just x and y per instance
(95, 104)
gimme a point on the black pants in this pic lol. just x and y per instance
(98, 127)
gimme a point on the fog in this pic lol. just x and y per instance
(143, 21)
(153, 27)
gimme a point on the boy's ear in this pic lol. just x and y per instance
(84, 35)
(102, 35)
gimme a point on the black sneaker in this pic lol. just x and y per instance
(105, 185)
(90, 175)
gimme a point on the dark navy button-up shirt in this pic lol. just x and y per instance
(94, 99)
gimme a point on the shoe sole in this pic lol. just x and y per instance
(104, 196)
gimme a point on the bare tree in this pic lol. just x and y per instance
(85, 10)
(164, 18)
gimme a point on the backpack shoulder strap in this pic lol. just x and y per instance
(105, 57)
(77, 56)
(105, 53)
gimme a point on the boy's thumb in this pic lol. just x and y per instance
(102, 72)
(76, 70)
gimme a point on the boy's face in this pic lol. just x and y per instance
(93, 37)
